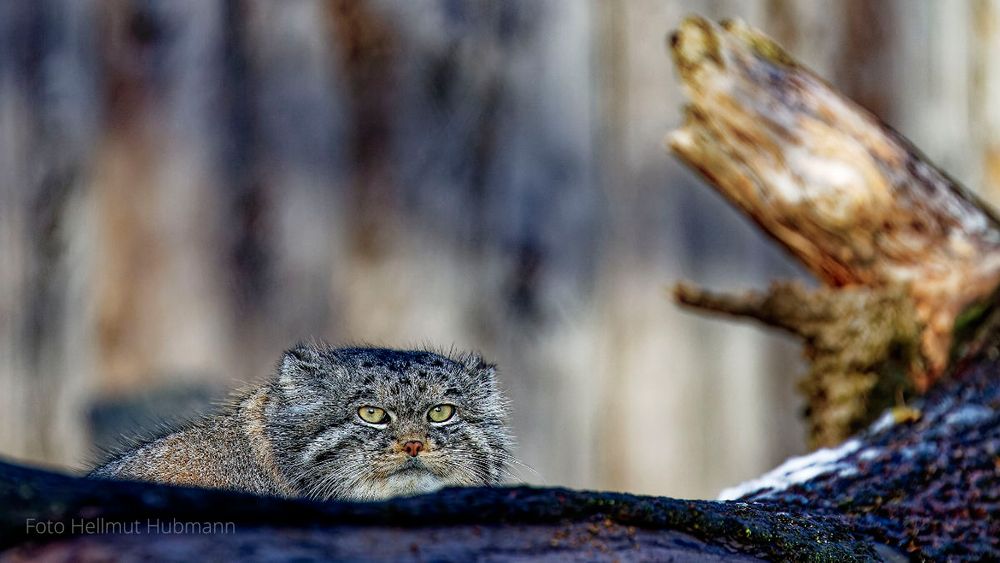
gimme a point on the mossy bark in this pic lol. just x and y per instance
(861, 344)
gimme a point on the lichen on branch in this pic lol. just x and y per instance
(861, 344)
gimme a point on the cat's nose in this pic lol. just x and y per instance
(413, 447)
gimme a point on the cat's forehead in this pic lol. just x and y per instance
(394, 374)
(395, 361)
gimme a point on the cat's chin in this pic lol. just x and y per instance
(410, 482)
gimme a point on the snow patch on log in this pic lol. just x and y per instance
(795, 470)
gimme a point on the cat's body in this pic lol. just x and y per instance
(355, 423)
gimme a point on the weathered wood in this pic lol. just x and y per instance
(907, 255)
(849, 197)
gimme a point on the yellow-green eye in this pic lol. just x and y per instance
(441, 413)
(373, 415)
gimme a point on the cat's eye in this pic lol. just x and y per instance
(373, 415)
(441, 413)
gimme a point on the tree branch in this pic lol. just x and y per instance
(849, 197)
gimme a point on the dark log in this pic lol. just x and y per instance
(45, 513)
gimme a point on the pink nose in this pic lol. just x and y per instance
(413, 447)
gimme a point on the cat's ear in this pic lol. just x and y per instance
(299, 364)
(480, 369)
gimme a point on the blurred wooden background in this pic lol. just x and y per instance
(188, 187)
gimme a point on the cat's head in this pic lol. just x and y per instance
(370, 423)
